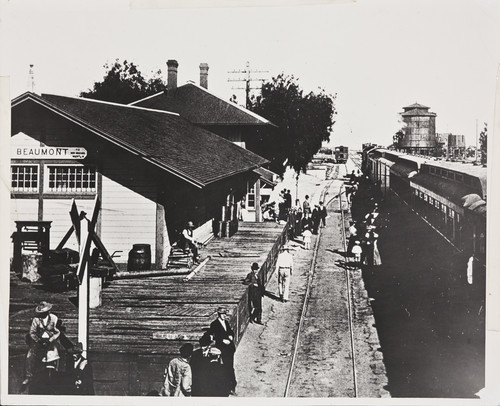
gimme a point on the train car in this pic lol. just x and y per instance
(451, 196)
(341, 154)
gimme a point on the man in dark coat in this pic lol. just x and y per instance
(322, 214)
(199, 365)
(315, 217)
(223, 335)
(255, 293)
(80, 375)
(216, 381)
(47, 381)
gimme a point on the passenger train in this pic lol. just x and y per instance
(451, 196)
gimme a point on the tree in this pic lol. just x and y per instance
(124, 83)
(303, 121)
(483, 144)
(397, 139)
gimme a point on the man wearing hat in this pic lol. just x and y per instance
(255, 293)
(41, 339)
(199, 364)
(80, 375)
(223, 335)
(189, 242)
(284, 268)
(47, 381)
(215, 382)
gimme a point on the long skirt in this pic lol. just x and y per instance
(376, 255)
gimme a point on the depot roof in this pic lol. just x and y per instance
(165, 139)
(201, 107)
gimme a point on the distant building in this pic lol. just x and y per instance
(456, 146)
(420, 130)
(451, 145)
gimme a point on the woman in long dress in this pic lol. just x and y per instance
(376, 254)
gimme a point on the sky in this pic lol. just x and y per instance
(375, 55)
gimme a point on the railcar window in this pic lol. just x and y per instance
(425, 197)
(467, 180)
(451, 175)
(451, 213)
(459, 177)
(444, 173)
(432, 169)
(431, 200)
(443, 208)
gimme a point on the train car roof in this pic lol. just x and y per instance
(476, 171)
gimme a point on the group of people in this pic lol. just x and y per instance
(43, 372)
(278, 209)
(307, 220)
(363, 230)
(208, 370)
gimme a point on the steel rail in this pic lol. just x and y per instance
(304, 305)
(349, 298)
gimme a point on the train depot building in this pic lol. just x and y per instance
(153, 171)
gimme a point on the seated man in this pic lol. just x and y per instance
(188, 241)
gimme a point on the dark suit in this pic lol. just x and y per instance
(199, 371)
(227, 350)
(255, 292)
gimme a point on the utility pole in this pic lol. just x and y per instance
(247, 79)
(31, 79)
(477, 142)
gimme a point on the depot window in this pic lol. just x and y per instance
(24, 178)
(71, 179)
(251, 197)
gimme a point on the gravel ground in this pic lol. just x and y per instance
(324, 361)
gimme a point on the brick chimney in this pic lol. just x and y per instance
(172, 74)
(204, 75)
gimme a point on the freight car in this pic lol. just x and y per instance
(451, 196)
(341, 154)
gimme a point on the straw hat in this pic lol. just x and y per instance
(43, 307)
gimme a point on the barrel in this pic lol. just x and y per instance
(139, 258)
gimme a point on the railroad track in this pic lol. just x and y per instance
(344, 279)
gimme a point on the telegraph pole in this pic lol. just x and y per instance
(247, 79)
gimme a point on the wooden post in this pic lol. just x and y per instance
(84, 278)
(258, 211)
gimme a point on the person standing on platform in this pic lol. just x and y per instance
(223, 334)
(322, 214)
(178, 374)
(42, 338)
(189, 242)
(81, 378)
(284, 268)
(199, 365)
(255, 292)
(216, 383)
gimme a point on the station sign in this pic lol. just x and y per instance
(49, 153)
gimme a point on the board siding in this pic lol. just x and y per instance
(22, 210)
(127, 217)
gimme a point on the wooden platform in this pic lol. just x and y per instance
(143, 322)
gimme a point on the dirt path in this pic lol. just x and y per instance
(324, 363)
